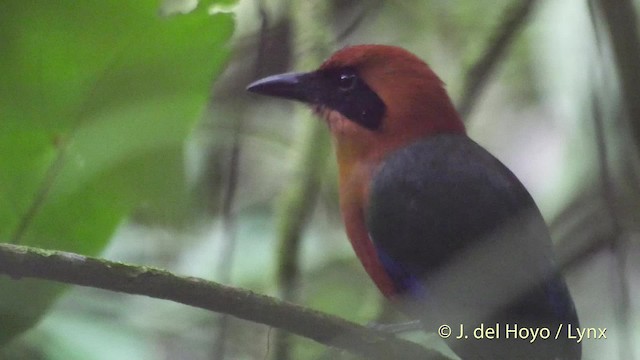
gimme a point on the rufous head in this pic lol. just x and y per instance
(374, 98)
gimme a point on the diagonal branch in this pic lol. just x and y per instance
(28, 262)
(515, 17)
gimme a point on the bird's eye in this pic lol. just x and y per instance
(347, 81)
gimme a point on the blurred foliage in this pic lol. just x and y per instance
(96, 100)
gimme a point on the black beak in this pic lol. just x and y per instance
(294, 86)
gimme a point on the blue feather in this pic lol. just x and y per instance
(405, 282)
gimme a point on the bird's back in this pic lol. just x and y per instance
(465, 244)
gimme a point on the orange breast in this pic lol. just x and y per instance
(354, 184)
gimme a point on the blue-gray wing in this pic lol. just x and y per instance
(465, 243)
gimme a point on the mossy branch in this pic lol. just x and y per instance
(27, 262)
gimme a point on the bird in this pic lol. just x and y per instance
(444, 229)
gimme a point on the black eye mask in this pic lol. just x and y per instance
(339, 89)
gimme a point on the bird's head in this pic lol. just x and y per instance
(375, 98)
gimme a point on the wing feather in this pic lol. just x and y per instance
(464, 240)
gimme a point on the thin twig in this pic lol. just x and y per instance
(479, 73)
(227, 216)
(618, 245)
(313, 41)
(363, 14)
(27, 262)
(228, 238)
(620, 19)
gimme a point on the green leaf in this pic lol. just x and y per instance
(96, 100)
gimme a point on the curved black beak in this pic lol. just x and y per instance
(294, 86)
